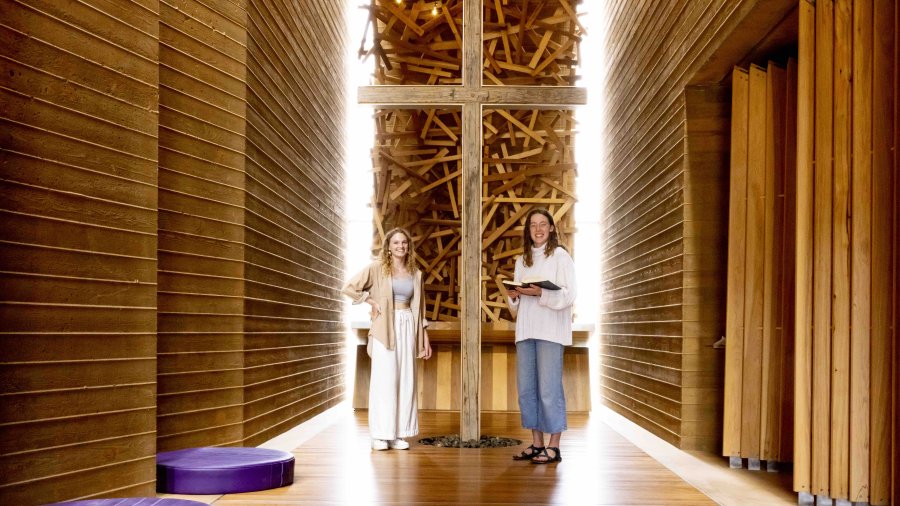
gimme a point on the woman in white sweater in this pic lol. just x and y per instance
(543, 328)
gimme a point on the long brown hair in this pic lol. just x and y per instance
(552, 241)
(386, 251)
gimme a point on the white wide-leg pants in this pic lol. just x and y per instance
(392, 384)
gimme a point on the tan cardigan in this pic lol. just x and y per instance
(373, 282)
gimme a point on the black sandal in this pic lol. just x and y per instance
(546, 459)
(529, 453)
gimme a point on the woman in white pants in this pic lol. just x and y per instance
(393, 286)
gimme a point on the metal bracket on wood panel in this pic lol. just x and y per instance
(805, 499)
(735, 462)
(753, 464)
(823, 500)
(842, 502)
(772, 466)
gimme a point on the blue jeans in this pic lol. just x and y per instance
(539, 379)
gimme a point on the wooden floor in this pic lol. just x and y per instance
(599, 466)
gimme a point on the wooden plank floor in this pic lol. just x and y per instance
(599, 466)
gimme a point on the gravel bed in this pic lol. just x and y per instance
(453, 441)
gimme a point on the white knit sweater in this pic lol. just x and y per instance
(548, 317)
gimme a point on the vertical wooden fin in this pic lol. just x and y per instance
(737, 222)
(821, 254)
(806, 73)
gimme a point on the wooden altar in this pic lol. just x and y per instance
(439, 378)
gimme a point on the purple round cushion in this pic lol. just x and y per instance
(131, 501)
(227, 470)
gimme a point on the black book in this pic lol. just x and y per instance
(543, 283)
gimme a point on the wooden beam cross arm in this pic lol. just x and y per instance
(546, 97)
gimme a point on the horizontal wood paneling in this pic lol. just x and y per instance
(294, 361)
(124, 146)
(78, 200)
(201, 200)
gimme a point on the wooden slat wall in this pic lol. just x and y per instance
(759, 353)
(439, 382)
(251, 192)
(202, 75)
(847, 218)
(78, 169)
(707, 113)
(653, 50)
(127, 128)
(294, 364)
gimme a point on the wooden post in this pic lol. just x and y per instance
(470, 283)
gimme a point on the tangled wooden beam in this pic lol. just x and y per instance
(527, 154)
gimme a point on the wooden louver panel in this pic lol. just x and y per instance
(846, 251)
(760, 304)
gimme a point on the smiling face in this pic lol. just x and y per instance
(398, 246)
(540, 229)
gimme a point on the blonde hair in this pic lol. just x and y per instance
(386, 251)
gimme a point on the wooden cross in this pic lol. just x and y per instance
(471, 97)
